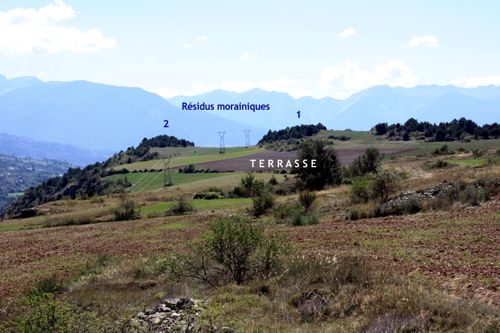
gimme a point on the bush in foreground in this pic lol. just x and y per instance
(262, 203)
(235, 250)
(126, 210)
(180, 207)
(307, 199)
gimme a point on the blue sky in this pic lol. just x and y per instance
(317, 48)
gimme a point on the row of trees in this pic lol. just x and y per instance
(447, 131)
(294, 132)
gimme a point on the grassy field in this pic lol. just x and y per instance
(362, 139)
(475, 162)
(191, 155)
(151, 181)
(194, 182)
(439, 265)
(199, 204)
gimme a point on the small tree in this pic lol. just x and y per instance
(381, 129)
(368, 162)
(262, 203)
(250, 186)
(383, 184)
(126, 210)
(306, 199)
(327, 170)
(234, 250)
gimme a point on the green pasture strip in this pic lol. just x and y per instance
(198, 204)
(150, 181)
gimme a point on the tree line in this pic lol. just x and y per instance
(454, 130)
(294, 132)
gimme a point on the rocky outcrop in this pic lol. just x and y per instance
(170, 315)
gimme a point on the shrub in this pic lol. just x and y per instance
(188, 169)
(262, 203)
(401, 207)
(126, 210)
(360, 212)
(490, 183)
(360, 190)
(249, 186)
(473, 195)
(50, 285)
(180, 207)
(367, 163)
(382, 185)
(283, 213)
(209, 195)
(299, 219)
(307, 199)
(93, 267)
(235, 250)
(439, 164)
(377, 187)
(311, 219)
(273, 181)
(67, 219)
(44, 313)
(443, 150)
(476, 153)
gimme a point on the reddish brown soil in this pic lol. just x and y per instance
(346, 156)
(458, 249)
(28, 256)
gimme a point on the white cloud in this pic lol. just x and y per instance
(203, 40)
(342, 81)
(187, 44)
(335, 81)
(346, 33)
(421, 41)
(477, 81)
(183, 44)
(247, 55)
(285, 84)
(28, 30)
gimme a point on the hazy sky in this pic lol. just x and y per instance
(318, 48)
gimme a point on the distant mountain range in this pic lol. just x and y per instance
(362, 110)
(103, 117)
(23, 147)
(110, 118)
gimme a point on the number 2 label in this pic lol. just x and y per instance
(166, 124)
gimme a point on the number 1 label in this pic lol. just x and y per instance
(298, 114)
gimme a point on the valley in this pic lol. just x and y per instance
(119, 266)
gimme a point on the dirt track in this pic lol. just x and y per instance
(346, 156)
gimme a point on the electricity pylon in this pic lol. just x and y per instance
(222, 145)
(247, 138)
